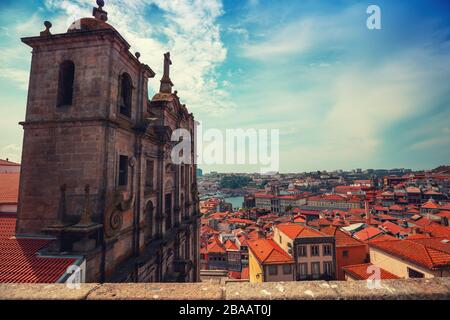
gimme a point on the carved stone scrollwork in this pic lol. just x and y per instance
(194, 192)
(113, 219)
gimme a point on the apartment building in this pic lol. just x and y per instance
(414, 258)
(268, 262)
(312, 251)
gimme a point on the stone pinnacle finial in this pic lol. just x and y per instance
(138, 55)
(99, 13)
(46, 32)
(86, 214)
(166, 83)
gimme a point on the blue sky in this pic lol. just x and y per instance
(341, 95)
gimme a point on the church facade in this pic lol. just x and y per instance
(97, 175)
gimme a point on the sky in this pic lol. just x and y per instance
(342, 96)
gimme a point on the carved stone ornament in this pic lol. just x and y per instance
(113, 219)
(132, 161)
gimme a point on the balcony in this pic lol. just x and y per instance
(429, 289)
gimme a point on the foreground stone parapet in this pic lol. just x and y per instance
(431, 289)
(158, 291)
(45, 291)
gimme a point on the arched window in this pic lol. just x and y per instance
(65, 83)
(126, 87)
(149, 209)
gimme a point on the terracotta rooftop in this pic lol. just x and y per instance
(367, 233)
(268, 252)
(432, 253)
(9, 188)
(359, 272)
(294, 231)
(230, 245)
(430, 205)
(215, 246)
(343, 239)
(19, 259)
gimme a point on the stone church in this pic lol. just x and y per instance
(97, 175)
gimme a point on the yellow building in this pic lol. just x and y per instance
(413, 258)
(268, 262)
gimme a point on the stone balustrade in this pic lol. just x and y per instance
(430, 289)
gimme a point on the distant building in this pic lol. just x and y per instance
(364, 272)
(349, 251)
(268, 262)
(7, 166)
(199, 172)
(415, 258)
(9, 192)
(312, 251)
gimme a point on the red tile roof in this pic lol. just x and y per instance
(294, 231)
(19, 260)
(343, 239)
(268, 252)
(393, 228)
(367, 233)
(230, 245)
(444, 214)
(431, 253)
(9, 188)
(215, 246)
(437, 230)
(430, 205)
(383, 237)
(359, 272)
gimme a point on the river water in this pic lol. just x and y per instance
(235, 201)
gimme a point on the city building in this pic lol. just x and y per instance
(268, 262)
(312, 251)
(365, 272)
(9, 192)
(97, 175)
(349, 251)
(7, 166)
(413, 258)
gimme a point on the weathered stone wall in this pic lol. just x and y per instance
(430, 289)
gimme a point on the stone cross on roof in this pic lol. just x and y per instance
(166, 83)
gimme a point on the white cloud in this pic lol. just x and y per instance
(12, 152)
(304, 34)
(190, 32)
(18, 76)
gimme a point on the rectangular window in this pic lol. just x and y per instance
(315, 251)
(273, 270)
(287, 269)
(328, 268)
(302, 251)
(123, 171)
(303, 268)
(315, 268)
(415, 274)
(345, 253)
(149, 174)
(327, 250)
